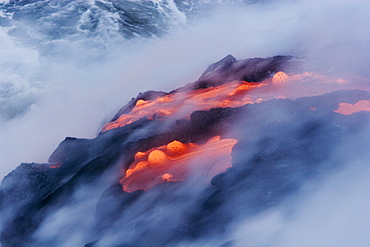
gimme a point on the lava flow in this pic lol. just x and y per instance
(231, 94)
(175, 161)
(181, 103)
(267, 126)
(348, 109)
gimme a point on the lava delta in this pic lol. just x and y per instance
(187, 163)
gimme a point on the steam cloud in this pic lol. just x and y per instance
(75, 98)
(326, 213)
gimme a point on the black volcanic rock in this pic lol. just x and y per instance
(281, 144)
(250, 70)
(219, 67)
(27, 181)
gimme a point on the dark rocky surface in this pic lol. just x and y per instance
(250, 70)
(281, 144)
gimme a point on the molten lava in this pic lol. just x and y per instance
(181, 103)
(55, 166)
(176, 161)
(231, 94)
(348, 109)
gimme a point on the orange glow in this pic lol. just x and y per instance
(280, 78)
(181, 104)
(55, 166)
(231, 94)
(348, 109)
(175, 161)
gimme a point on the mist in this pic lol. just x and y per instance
(330, 212)
(59, 97)
(72, 88)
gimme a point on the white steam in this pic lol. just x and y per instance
(333, 212)
(71, 99)
(74, 98)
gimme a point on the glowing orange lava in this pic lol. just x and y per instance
(176, 161)
(55, 165)
(180, 104)
(348, 109)
(231, 94)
